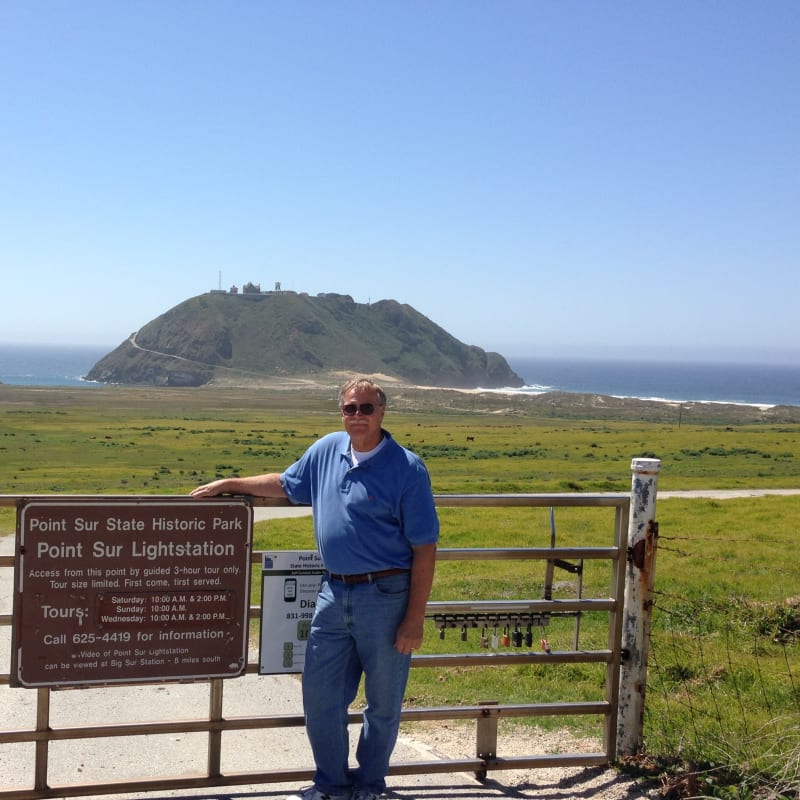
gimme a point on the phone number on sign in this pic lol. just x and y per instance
(91, 638)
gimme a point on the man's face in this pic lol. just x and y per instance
(364, 429)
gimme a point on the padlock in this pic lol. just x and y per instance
(506, 637)
(441, 632)
(463, 633)
(495, 640)
(545, 645)
(529, 635)
(517, 636)
(484, 637)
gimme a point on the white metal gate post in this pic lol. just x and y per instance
(639, 577)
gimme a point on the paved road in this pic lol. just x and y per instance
(728, 494)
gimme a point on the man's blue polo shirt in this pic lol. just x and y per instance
(366, 518)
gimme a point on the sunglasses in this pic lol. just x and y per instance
(366, 409)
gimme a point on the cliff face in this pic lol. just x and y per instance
(284, 334)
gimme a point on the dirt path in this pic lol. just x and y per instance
(727, 494)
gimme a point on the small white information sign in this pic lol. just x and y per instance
(290, 581)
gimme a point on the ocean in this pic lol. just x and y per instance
(748, 384)
(48, 365)
(678, 381)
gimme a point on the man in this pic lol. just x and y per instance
(376, 529)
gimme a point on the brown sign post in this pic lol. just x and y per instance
(129, 591)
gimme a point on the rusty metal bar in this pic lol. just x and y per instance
(215, 733)
(519, 606)
(525, 553)
(302, 775)
(42, 745)
(532, 500)
(587, 708)
(486, 738)
(617, 589)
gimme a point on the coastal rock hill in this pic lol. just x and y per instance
(225, 336)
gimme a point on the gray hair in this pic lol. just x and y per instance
(362, 384)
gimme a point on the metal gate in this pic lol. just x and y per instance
(524, 616)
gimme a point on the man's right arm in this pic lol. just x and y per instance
(268, 485)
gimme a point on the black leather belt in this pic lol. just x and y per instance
(367, 577)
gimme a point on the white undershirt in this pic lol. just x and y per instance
(359, 456)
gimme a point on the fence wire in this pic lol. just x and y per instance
(723, 696)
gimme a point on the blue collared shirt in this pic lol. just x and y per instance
(366, 518)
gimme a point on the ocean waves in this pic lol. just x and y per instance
(760, 385)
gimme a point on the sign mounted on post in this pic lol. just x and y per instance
(128, 591)
(290, 581)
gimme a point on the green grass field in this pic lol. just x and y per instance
(724, 677)
(155, 441)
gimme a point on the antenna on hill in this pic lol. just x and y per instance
(220, 280)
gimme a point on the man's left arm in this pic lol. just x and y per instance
(409, 634)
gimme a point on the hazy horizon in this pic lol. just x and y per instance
(652, 353)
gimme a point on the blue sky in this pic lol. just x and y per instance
(538, 178)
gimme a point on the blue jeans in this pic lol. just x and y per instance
(353, 632)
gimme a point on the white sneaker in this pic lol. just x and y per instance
(312, 793)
